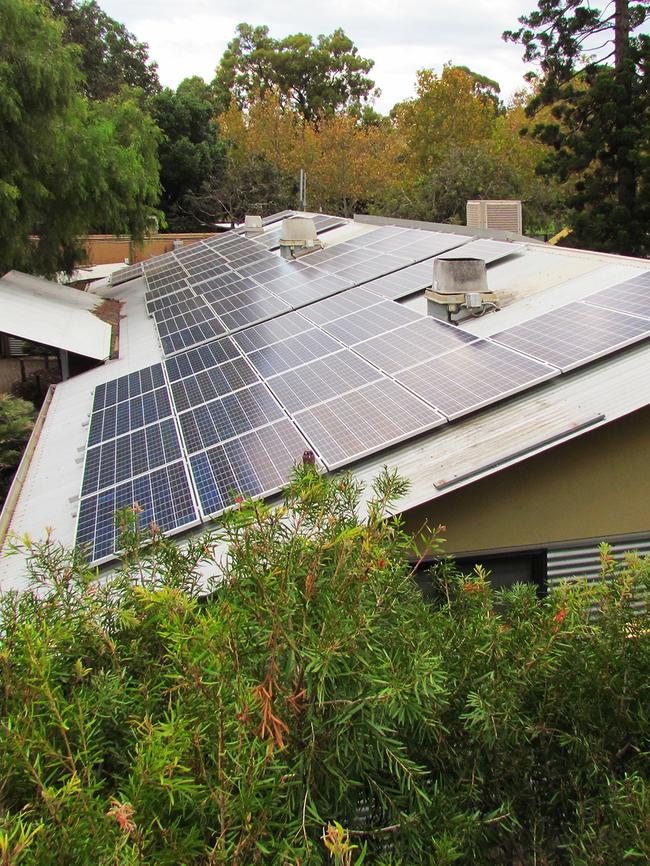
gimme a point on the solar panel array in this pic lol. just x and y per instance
(229, 283)
(346, 376)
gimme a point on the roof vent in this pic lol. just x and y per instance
(252, 225)
(502, 214)
(298, 234)
(459, 288)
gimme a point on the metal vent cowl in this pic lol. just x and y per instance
(459, 276)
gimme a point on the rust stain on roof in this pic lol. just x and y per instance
(109, 311)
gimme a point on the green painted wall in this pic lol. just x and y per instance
(596, 485)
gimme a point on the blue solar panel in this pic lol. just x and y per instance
(257, 463)
(162, 497)
(228, 417)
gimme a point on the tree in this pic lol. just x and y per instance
(600, 129)
(68, 165)
(191, 149)
(16, 422)
(450, 110)
(315, 78)
(111, 57)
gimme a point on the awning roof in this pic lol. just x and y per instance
(44, 312)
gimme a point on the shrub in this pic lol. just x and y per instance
(312, 708)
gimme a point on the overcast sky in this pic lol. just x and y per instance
(188, 38)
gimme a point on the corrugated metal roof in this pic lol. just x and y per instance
(45, 312)
(540, 278)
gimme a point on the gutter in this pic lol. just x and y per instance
(18, 482)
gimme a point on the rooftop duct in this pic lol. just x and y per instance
(459, 288)
(298, 233)
(253, 225)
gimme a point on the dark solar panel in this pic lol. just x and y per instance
(293, 352)
(163, 498)
(201, 358)
(228, 417)
(257, 463)
(125, 387)
(129, 415)
(473, 376)
(368, 323)
(631, 296)
(116, 460)
(574, 334)
(363, 421)
(191, 336)
(412, 343)
(321, 379)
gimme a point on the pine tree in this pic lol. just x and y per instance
(600, 110)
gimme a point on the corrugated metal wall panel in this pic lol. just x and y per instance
(583, 560)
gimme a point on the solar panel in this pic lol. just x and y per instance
(209, 384)
(254, 313)
(126, 274)
(130, 385)
(155, 305)
(368, 323)
(201, 358)
(473, 376)
(292, 352)
(267, 333)
(631, 296)
(402, 283)
(378, 234)
(339, 305)
(228, 417)
(319, 288)
(363, 421)
(192, 335)
(489, 251)
(129, 415)
(116, 460)
(412, 343)
(257, 463)
(574, 334)
(163, 498)
(321, 379)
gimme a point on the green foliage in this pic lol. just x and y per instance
(16, 421)
(111, 57)
(16, 418)
(313, 708)
(599, 128)
(69, 166)
(190, 151)
(314, 78)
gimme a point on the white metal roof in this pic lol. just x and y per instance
(45, 312)
(538, 279)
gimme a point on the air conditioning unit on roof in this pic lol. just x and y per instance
(500, 214)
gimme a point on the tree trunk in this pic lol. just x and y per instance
(626, 180)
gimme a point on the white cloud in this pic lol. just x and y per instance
(189, 39)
